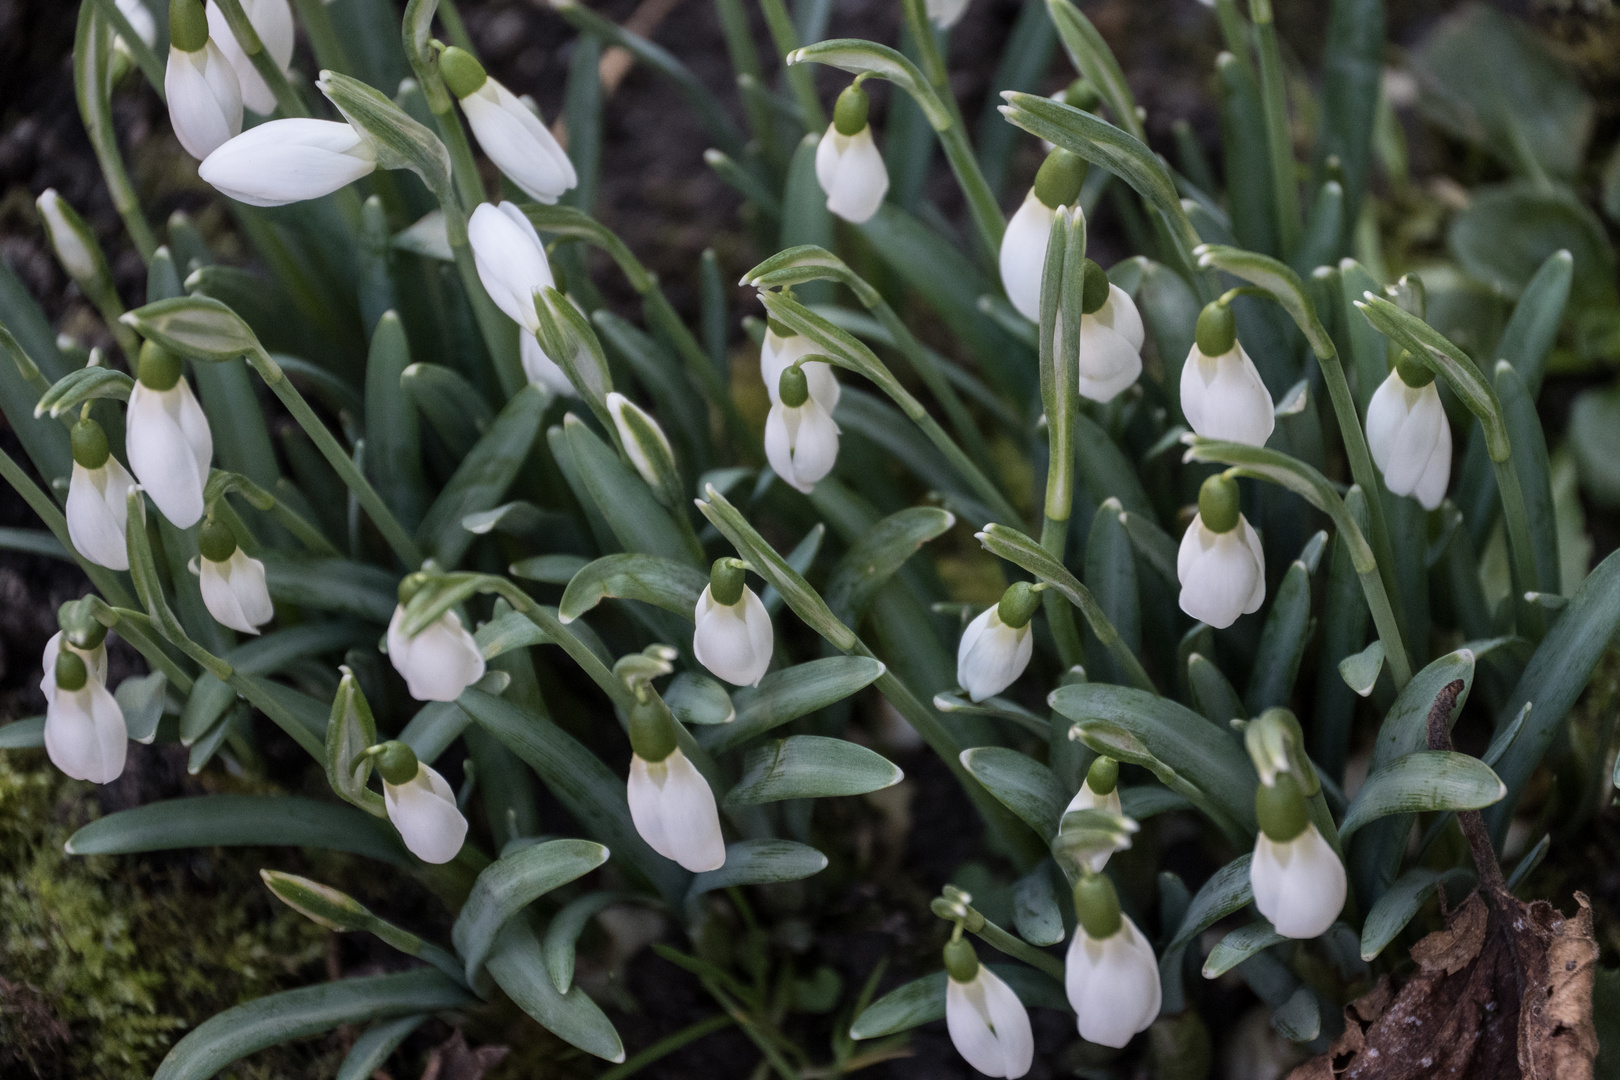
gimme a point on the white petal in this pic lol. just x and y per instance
(510, 259)
(161, 455)
(1407, 453)
(1298, 885)
(287, 161)
(1010, 1020)
(424, 811)
(989, 1025)
(194, 427)
(205, 101)
(518, 143)
(95, 662)
(674, 811)
(1086, 799)
(97, 508)
(1223, 397)
(1109, 362)
(852, 174)
(541, 370)
(734, 642)
(234, 592)
(777, 353)
(1430, 489)
(440, 662)
(1120, 315)
(801, 444)
(1023, 255)
(945, 13)
(1113, 985)
(85, 734)
(992, 655)
(1222, 575)
(1386, 413)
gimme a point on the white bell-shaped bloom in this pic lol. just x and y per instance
(511, 260)
(1086, 799)
(851, 172)
(778, 353)
(945, 14)
(97, 508)
(992, 654)
(801, 443)
(734, 641)
(518, 143)
(70, 245)
(1113, 984)
(1223, 575)
(438, 663)
(673, 810)
(989, 1025)
(541, 370)
(1410, 439)
(287, 161)
(140, 19)
(1298, 884)
(169, 446)
(272, 20)
(424, 811)
(1110, 346)
(205, 101)
(1222, 397)
(85, 735)
(1023, 254)
(234, 591)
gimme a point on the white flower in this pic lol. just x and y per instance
(646, 445)
(1298, 884)
(1222, 575)
(1113, 983)
(234, 591)
(1110, 346)
(1086, 799)
(140, 19)
(1023, 254)
(287, 161)
(778, 353)
(97, 508)
(673, 810)
(424, 811)
(64, 227)
(989, 1025)
(272, 20)
(734, 641)
(1223, 397)
(801, 443)
(510, 259)
(992, 654)
(851, 172)
(205, 101)
(85, 735)
(944, 14)
(1410, 439)
(169, 446)
(438, 663)
(541, 370)
(518, 143)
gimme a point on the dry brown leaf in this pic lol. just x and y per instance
(453, 1060)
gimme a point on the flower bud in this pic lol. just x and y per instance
(272, 22)
(1408, 434)
(167, 437)
(1110, 973)
(439, 662)
(993, 651)
(288, 161)
(648, 449)
(204, 95)
(508, 130)
(74, 243)
(801, 442)
(734, 641)
(510, 259)
(1220, 564)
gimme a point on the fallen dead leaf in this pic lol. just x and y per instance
(453, 1060)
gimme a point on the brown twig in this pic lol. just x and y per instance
(1473, 826)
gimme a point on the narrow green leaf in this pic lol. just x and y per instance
(1215, 697)
(564, 930)
(454, 408)
(336, 585)
(140, 699)
(1282, 642)
(393, 451)
(922, 1001)
(196, 327)
(1535, 475)
(1238, 946)
(695, 698)
(653, 579)
(878, 555)
(1110, 570)
(1021, 784)
(338, 911)
(1092, 57)
(1036, 914)
(483, 476)
(376, 1044)
(623, 498)
(1421, 782)
(810, 767)
(760, 862)
(26, 734)
(1226, 891)
(509, 884)
(1401, 903)
(788, 694)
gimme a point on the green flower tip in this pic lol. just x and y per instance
(1081, 95)
(462, 72)
(781, 330)
(794, 389)
(726, 581)
(1218, 503)
(1096, 906)
(850, 113)
(1059, 179)
(396, 763)
(1094, 289)
(1217, 330)
(216, 541)
(1412, 372)
(961, 962)
(89, 444)
(1280, 806)
(71, 674)
(158, 369)
(1103, 776)
(652, 728)
(1018, 604)
(188, 25)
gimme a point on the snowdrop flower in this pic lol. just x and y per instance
(510, 259)
(996, 646)
(232, 584)
(287, 161)
(1111, 337)
(1298, 880)
(167, 437)
(733, 638)
(1220, 565)
(1023, 245)
(1222, 396)
(70, 238)
(784, 346)
(987, 1022)
(84, 727)
(420, 803)
(647, 447)
(1110, 973)
(848, 165)
(508, 130)
(438, 663)
(1098, 791)
(541, 370)
(1409, 435)
(98, 498)
(801, 437)
(205, 99)
(272, 20)
(670, 802)
(945, 14)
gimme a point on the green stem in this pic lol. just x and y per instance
(667, 1045)
(105, 297)
(799, 80)
(148, 61)
(998, 938)
(405, 548)
(454, 27)
(1274, 103)
(1517, 520)
(576, 649)
(248, 38)
(135, 628)
(462, 164)
(329, 50)
(89, 62)
(995, 501)
(1389, 628)
(1059, 612)
(922, 362)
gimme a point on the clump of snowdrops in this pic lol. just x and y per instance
(1244, 477)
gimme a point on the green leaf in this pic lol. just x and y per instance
(788, 694)
(760, 862)
(1401, 903)
(878, 555)
(338, 585)
(514, 630)
(1322, 229)
(349, 731)
(1110, 570)
(295, 1014)
(509, 884)
(376, 1044)
(1507, 232)
(1091, 56)
(454, 408)
(1594, 441)
(1021, 784)
(240, 821)
(637, 519)
(1353, 67)
(551, 569)
(922, 1001)
(85, 384)
(140, 699)
(1299, 1018)
(696, 698)
(1213, 694)
(1424, 781)
(858, 57)
(1107, 472)
(564, 930)
(663, 582)
(1143, 801)
(338, 911)
(1535, 476)
(1360, 670)
(1226, 891)
(483, 476)
(519, 969)
(1287, 632)
(1036, 914)
(26, 734)
(1238, 946)
(393, 450)
(810, 767)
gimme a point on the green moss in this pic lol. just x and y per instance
(107, 961)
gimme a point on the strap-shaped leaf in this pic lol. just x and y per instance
(339, 911)
(879, 554)
(196, 327)
(653, 579)
(811, 767)
(296, 1014)
(789, 694)
(564, 930)
(1421, 782)
(1036, 913)
(26, 734)
(760, 862)
(858, 57)
(140, 699)
(1401, 903)
(1287, 632)
(374, 1047)
(922, 1001)
(509, 884)
(1021, 784)
(696, 698)
(1278, 280)
(1093, 58)
(483, 476)
(570, 221)
(1226, 891)
(518, 968)
(637, 519)
(1238, 946)
(85, 384)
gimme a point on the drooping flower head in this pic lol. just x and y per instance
(441, 660)
(987, 1022)
(1222, 395)
(1298, 880)
(1023, 245)
(419, 803)
(272, 22)
(996, 646)
(287, 161)
(204, 96)
(510, 259)
(1111, 337)
(733, 638)
(1110, 973)
(167, 437)
(801, 437)
(232, 584)
(508, 130)
(1408, 433)
(848, 165)
(85, 735)
(1220, 565)
(98, 498)
(670, 802)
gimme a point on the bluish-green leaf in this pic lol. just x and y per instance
(1400, 903)
(1021, 784)
(140, 699)
(1036, 913)
(760, 862)
(810, 767)
(483, 476)
(509, 884)
(1225, 892)
(518, 968)
(1282, 642)
(699, 699)
(879, 554)
(564, 930)
(1421, 782)
(922, 1001)
(376, 1044)
(663, 582)
(623, 498)
(789, 694)
(1238, 946)
(26, 734)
